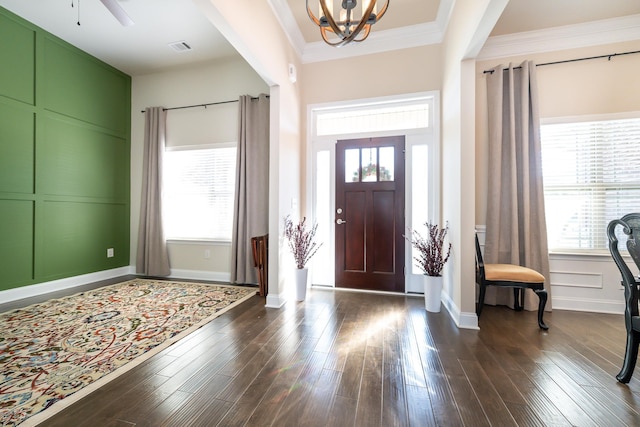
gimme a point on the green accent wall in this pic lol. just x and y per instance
(65, 125)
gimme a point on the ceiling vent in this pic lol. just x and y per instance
(180, 46)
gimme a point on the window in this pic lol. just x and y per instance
(199, 186)
(591, 175)
(368, 119)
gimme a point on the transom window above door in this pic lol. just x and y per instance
(370, 119)
(373, 164)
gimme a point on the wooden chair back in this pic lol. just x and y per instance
(630, 226)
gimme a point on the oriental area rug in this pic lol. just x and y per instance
(54, 353)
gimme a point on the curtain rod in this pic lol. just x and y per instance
(203, 105)
(573, 60)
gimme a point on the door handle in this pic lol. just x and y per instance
(339, 221)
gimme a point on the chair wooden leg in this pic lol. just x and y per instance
(483, 290)
(630, 357)
(542, 294)
(518, 299)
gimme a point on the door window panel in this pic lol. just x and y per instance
(386, 163)
(352, 165)
(369, 165)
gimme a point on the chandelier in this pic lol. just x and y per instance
(346, 22)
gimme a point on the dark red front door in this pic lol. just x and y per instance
(370, 214)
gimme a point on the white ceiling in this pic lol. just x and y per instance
(143, 47)
(139, 49)
(529, 15)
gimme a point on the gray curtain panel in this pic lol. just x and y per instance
(516, 224)
(152, 257)
(251, 210)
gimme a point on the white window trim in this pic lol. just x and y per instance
(590, 118)
(201, 146)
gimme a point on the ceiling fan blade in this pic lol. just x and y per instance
(118, 12)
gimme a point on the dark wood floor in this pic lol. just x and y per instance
(355, 359)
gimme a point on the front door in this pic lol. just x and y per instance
(370, 214)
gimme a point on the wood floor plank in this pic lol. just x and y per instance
(263, 370)
(467, 402)
(308, 381)
(419, 409)
(624, 409)
(411, 362)
(321, 397)
(593, 408)
(343, 412)
(524, 415)
(369, 411)
(394, 396)
(497, 376)
(493, 406)
(352, 375)
(562, 399)
(299, 379)
(212, 415)
(537, 401)
(443, 403)
(187, 414)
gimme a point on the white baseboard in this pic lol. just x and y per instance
(462, 320)
(22, 292)
(213, 276)
(275, 301)
(588, 305)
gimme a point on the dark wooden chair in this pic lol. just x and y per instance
(510, 276)
(630, 224)
(260, 248)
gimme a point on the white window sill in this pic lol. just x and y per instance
(201, 242)
(595, 256)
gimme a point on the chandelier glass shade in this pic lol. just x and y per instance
(342, 21)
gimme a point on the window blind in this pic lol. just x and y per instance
(199, 186)
(591, 173)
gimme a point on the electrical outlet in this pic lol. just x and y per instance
(207, 254)
(110, 253)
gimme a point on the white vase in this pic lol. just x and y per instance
(432, 293)
(301, 283)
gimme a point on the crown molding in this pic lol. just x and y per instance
(445, 9)
(606, 31)
(288, 23)
(380, 41)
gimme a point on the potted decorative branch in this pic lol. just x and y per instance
(303, 246)
(433, 254)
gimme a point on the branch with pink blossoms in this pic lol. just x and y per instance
(301, 241)
(431, 249)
